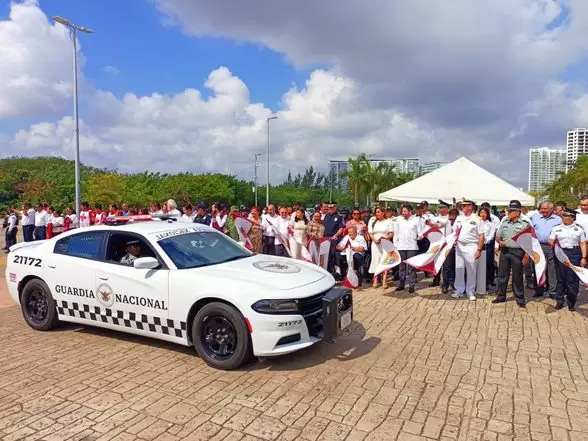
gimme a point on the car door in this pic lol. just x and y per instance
(70, 273)
(135, 298)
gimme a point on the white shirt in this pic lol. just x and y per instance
(471, 228)
(265, 224)
(407, 231)
(582, 220)
(186, 218)
(74, 220)
(41, 218)
(84, 219)
(57, 224)
(359, 241)
(568, 236)
(11, 222)
(444, 220)
(49, 219)
(293, 217)
(100, 218)
(283, 226)
(380, 228)
(489, 230)
(176, 213)
(28, 218)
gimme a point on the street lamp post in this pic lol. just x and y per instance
(74, 33)
(267, 201)
(255, 181)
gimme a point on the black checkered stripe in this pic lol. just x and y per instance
(125, 319)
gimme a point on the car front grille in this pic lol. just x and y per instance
(311, 309)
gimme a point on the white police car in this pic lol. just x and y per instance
(188, 284)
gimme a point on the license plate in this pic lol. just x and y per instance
(346, 320)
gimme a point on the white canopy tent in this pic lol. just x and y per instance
(459, 179)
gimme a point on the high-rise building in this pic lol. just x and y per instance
(430, 166)
(576, 145)
(402, 165)
(337, 170)
(544, 166)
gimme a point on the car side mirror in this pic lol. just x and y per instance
(146, 263)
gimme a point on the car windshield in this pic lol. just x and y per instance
(203, 248)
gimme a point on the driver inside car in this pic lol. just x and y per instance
(133, 251)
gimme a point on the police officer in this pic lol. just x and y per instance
(512, 256)
(334, 227)
(572, 239)
(133, 252)
(202, 217)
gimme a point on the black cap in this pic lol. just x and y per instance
(200, 206)
(569, 212)
(424, 203)
(514, 206)
(443, 204)
(419, 207)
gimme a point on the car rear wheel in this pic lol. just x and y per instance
(221, 337)
(38, 306)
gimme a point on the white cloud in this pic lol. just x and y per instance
(35, 63)
(111, 70)
(408, 79)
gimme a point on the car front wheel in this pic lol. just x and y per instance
(38, 306)
(221, 337)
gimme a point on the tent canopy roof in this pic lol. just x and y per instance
(459, 179)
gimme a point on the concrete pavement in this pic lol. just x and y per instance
(413, 367)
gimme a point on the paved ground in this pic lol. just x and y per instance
(414, 367)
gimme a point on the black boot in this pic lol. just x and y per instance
(560, 304)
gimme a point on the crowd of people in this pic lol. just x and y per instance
(484, 257)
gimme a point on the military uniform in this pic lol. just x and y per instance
(128, 259)
(511, 258)
(470, 229)
(570, 238)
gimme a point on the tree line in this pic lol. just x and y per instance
(51, 179)
(570, 186)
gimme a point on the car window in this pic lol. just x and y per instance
(85, 245)
(203, 248)
(118, 251)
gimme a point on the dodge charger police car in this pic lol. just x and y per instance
(185, 283)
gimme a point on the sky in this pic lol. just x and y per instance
(179, 85)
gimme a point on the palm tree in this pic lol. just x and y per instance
(571, 185)
(355, 175)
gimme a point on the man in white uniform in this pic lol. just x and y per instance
(582, 216)
(468, 249)
(442, 222)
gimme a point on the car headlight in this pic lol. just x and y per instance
(276, 306)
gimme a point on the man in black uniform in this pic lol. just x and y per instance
(334, 227)
(512, 256)
(202, 217)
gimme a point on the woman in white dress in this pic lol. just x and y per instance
(379, 228)
(299, 233)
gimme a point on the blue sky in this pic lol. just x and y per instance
(131, 36)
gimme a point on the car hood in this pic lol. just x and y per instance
(272, 272)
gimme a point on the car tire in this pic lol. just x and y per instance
(38, 306)
(221, 337)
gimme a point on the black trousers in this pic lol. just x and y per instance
(550, 272)
(10, 237)
(448, 269)
(490, 263)
(358, 259)
(40, 233)
(281, 251)
(570, 282)
(27, 232)
(269, 246)
(332, 256)
(406, 271)
(511, 260)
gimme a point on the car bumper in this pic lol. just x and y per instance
(323, 317)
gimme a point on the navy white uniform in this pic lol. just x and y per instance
(465, 250)
(570, 239)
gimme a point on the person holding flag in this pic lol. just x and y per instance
(571, 238)
(442, 222)
(512, 256)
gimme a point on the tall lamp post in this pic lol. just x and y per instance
(74, 33)
(255, 181)
(267, 201)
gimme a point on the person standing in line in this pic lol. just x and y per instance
(582, 212)
(572, 240)
(468, 249)
(202, 217)
(28, 222)
(299, 225)
(512, 256)
(559, 207)
(11, 229)
(269, 234)
(58, 223)
(449, 264)
(441, 221)
(188, 213)
(40, 223)
(407, 230)
(491, 247)
(482, 277)
(334, 226)
(378, 228)
(543, 222)
(255, 232)
(283, 225)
